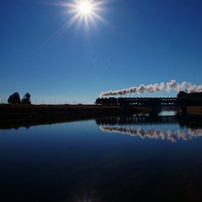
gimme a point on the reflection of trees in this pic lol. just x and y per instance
(155, 134)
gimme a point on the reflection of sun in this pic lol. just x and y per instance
(85, 12)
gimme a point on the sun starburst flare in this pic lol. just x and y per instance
(85, 8)
(85, 12)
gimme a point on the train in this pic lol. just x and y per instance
(182, 99)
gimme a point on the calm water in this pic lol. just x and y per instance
(139, 158)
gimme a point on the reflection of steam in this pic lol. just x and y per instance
(172, 85)
(156, 134)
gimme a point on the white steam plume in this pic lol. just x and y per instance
(151, 88)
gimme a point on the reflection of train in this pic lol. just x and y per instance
(182, 99)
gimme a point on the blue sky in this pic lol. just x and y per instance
(143, 42)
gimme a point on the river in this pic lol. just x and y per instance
(137, 158)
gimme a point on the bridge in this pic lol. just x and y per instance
(147, 101)
(151, 102)
(163, 102)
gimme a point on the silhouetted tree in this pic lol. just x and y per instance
(14, 98)
(26, 99)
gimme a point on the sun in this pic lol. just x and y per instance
(85, 12)
(85, 8)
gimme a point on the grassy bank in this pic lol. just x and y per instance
(24, 115)
(197, 110)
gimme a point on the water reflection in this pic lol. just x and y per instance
(155, 134)
(184, 128)
(76, 161)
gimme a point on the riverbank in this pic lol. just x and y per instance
(14, 116)
(196, 110)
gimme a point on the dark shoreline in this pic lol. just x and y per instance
(15, 116)
(18, 115)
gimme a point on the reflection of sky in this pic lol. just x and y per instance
(156, 132)
(167, 113)
(77, 159)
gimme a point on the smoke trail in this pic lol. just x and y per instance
(162, 87)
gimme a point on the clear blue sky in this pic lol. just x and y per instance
(143, 42)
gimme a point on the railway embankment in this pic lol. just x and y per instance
(195, 110)
(25, 115)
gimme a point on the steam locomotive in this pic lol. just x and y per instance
(182, 99)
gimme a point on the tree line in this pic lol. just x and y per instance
(15, 99)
